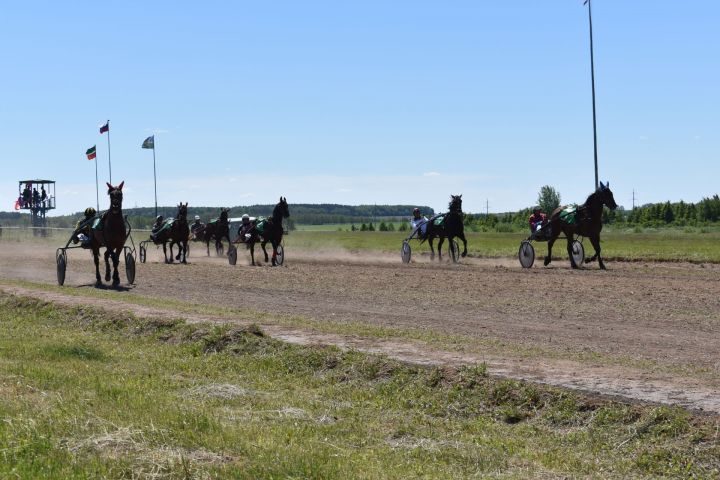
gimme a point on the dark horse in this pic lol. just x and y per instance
(111, 235)
(450, 228)
(588, 223)
(179, 234)
(217, 230)
(272, 232)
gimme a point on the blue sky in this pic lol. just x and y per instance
(362, 102)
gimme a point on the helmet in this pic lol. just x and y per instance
(536, 209)
(159, 217)
(416, 210)
(245, 216)
(90, 211)
(197, 217)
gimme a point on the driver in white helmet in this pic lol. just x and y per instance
(419, 223)
(246, 228)
(197, 226)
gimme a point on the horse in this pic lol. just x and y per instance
(179, 234)
(112, 236)
(217, 230)
(588, 224)
(272, 232)
(450, 228)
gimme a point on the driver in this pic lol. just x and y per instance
(197, 226)
(82, 227)
(419, 223)
(157, 226)
(246, 226)
(537, 220)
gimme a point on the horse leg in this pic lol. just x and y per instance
(207, 245)
(461, 236)
(274, 256)
(116, 260)
(96, 258)
(170, 258)
(185, 250)
(107, 264)
(252, 253)
(165, 252)
(432, 250)
(551, 242)
(440, 244)
(262, 244)
(569, 249)
(595, 240)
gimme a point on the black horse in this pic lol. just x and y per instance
(588, 223)
(111, 235)
(272, 232)
(450, 228)
(179, 234)
(217, 230)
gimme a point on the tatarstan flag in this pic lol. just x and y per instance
(90, 153)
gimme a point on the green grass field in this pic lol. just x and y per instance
(645, 245)
(87, 394)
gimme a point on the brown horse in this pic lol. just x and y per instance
(111, 235)
(588, 223)
(217, 230)
(179, 234)
(450, 228)
(272, 232)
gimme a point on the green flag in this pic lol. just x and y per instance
(90, 153)
(149, 142)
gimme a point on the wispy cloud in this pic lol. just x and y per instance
(431, 174)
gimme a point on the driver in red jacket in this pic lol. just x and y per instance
(536, 220)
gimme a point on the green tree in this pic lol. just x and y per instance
(548, 199)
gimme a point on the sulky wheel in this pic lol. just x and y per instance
(61, 261)
(232, 255)
(455, 251)
(578, 253)
(526, 254)
(143, 254)
(280, 257)
(130, 267)
(405, 252)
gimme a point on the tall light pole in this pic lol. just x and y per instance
(592, 76)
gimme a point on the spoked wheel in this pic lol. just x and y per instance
(61, 261)
(143, 254)
(454, 251)
(232, 255)
(280, 257)
(129, 265)
(578, 253)
(405, 252)
(526, 254)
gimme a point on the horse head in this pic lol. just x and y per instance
(607, 196)
(455, 203)
(116, 197)
(182, 211)
(281, 210)
(224, 215)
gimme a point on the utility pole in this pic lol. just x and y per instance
(592, 76)
(633, 199)
(487, 208)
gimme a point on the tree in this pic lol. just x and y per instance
(548, 199)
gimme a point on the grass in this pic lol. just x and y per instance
(673, 245)
(91, 394)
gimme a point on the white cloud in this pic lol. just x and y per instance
(431, 174)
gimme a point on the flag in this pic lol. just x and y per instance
(106, 127)
(90, 153)
(149, 142)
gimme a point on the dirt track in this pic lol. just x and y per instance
(593, 329)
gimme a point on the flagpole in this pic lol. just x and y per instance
(109, 164)
(592, 76)
(97, 189)
(154, 176)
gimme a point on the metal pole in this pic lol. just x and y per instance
(592, 74)
(109, 164)
(97, 190)
(154, 176)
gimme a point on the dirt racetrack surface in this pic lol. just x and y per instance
(645, 331)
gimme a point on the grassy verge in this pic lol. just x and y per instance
(88, 394)
(431, 339)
